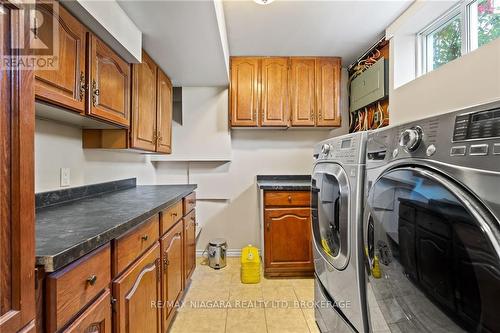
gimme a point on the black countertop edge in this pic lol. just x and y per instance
(54, 262)
(57, 197)
(262, 178)
(284, 182)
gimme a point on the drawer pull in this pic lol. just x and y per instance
(174, 214)
(191, 201)
(145, 237)
(92, 279)
(289, 198)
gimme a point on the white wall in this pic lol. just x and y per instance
(228, 205)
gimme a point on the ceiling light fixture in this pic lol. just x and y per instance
(263, 2)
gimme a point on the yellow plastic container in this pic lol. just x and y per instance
(250, 265)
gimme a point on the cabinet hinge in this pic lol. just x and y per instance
(113, 304)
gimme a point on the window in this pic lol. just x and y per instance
(465, 27)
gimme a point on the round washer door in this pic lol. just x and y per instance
(432, 256)
(330, 213)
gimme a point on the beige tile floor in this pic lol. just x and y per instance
(218, 302)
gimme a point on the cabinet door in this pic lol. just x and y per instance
(137, 292)
(328, 92)
(164, 113)
(244, 99)
(189, 244)
(96, 318)
(65, 85)
(172, 282)
(109, 84)
(143, 125)
(302, 91)
(275, 105)
(287, 239)
(17, 206)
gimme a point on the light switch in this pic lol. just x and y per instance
(65, 177)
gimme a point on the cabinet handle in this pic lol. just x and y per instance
(320, 116)
(92, 279)
(289, 198)
(268, 226)
(82, 86)
(155, 135)
(145, 237)
(159, 136)
(95, 93)
(166, 262)
(174, 214)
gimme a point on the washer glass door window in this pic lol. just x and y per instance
(431, 254)
(330, 213)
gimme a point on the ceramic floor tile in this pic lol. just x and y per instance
(302, 283)
(280, 294)
(200, 321)
(246, 321)
(304, 294)
(286, 321)
(310, 320)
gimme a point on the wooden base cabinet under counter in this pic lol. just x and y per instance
(287, 234)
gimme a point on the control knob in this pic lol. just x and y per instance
(325, 149)
(410, 138)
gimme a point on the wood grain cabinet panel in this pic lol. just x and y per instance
(109, 84)
(17, 201)
(244, 96)
(170, 216)
(137, 293)
(63, 85)
(274, 95)
(328, 92)
(164, 113)
(287, 198)
(302, 91)
(172, 279)
(143, 124)
(95, 319)
(189, 244)
(288, 245)
(189, 202)
(130, 246)
(71, 288)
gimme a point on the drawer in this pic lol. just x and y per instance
(71, 288)
(287, 198)
(170, 216)
(97, 318)
(189, 202)
(130, 246)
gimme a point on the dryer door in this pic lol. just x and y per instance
(330, 210)
(432, 255)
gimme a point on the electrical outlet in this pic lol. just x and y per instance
(65, 177)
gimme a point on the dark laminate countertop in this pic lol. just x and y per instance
(66, 231)
(284, 182)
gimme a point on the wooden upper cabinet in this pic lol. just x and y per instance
(244, 96)
(143, 125)
(65, 84)
(137, 292)
(274, 95)
(164, 113)
(17, 201)
(302, 91)
(328, 92)
(109, 84)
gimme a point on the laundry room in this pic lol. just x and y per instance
(265, 166)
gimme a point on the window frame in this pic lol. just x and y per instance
(467, 11)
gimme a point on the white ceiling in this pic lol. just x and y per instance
(183, 37)
(320, 28)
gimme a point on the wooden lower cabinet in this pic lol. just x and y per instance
(172, 278)
(137, 294)
(97, 318)
(189, 244)
(287, 240)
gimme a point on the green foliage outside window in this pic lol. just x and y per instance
(488, 22)
(447, 43)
